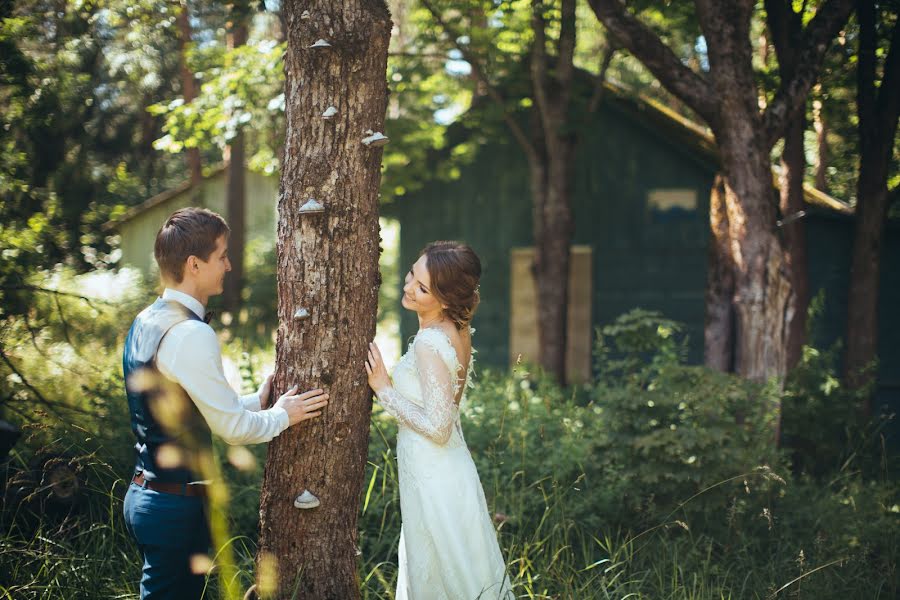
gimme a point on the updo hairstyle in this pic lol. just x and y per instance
(455, 270)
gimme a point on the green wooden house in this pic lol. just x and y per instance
(641, 234)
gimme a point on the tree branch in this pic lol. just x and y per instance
(34, 288)
(692, 88)
(477, 70)
(816, 39)
(597, 95)
(37, 394)
(539, 63)
(783, 24)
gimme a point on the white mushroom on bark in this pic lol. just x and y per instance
(375, 139)
(306, 500)
(312, 206)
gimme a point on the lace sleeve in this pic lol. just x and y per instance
(435, 421)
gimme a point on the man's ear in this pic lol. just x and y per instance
(192, 265)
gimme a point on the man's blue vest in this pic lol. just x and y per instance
(163, 417)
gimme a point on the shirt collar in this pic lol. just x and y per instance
(186, 300)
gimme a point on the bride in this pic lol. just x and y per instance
(448, 546)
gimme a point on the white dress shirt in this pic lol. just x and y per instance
(189, 355)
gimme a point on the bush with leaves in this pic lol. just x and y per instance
(671, 431)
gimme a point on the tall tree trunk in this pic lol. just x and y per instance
(793, 163)
(786, 27)
(552, 240)
(878, 108)
(761, 289)
(718, 331)
(328, 264)
(188, 86)
(236, 188)
(554, 230)
(149, 132)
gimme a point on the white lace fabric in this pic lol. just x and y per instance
(436, 418)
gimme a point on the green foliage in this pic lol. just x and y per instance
(637, 345)
(671, 430)
(241, 90)
(74, 138)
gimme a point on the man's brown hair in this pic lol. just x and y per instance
(187, 232)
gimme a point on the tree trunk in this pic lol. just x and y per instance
(718, 332)
(236, 208)
(236, 191)
(553, 239)
(865, 271)
(878, 110)
(793, 163)
(188, 86)
(786, 27)
(328, 264)
(553, 226)
(762, 286)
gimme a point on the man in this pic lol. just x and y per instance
(178, 396)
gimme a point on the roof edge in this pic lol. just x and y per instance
(163, 196)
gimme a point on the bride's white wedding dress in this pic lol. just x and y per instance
(448, 546)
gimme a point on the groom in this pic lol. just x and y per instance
(178, 396)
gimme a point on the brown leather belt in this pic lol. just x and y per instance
(179, 489)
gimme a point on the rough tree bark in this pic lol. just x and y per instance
(793, 230)
(786, 27)
(718, 331)
(878, 109)
(726, 98)
(328, 264)
(188, 86)
(235, 194)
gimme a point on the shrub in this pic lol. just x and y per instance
(670, 431)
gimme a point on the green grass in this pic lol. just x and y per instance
(88, 554)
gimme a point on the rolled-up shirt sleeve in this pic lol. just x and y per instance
(190, 356)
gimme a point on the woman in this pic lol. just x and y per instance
(448, 546)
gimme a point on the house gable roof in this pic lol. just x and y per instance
(700, 139)
(163, 197)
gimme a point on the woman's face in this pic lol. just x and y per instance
(417, 294)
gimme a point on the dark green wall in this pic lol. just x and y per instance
(830, 239)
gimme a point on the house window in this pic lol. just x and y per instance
(665, 205)
(523, 326)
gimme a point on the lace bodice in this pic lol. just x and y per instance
(426, 383)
